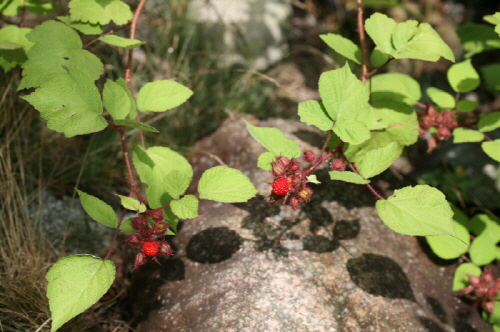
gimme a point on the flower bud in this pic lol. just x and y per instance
(443, 133)
(160, 228)
(492, 292)
(305, 194)
(278, 169)
(487, 276)
(473, 280)
(134, 240)
(284, 161)
(338, 165)
(165, 249)
(139, 223)
(309, 156)
(489, 306)
(294, 203)
(140, 259)
(294, 166)
(156, 215)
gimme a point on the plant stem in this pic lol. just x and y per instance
(105, 34)
(362, 41)
(128, 69)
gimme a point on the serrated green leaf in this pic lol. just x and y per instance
(132, 204)
(380, 28)
(343, 46)
(464, 135)
(347, 177)
(491, 76)
(162, 96)
(419, 211)
(70, 103)
(275, 141)
(460, 279)
(135, 124)
(395, 87)
(482, 249)
(143, 163)
(118, 41)
(12, 56)
(132, 112)
(98, 210)
(463, 77)
(344, 97)
(84, 27)
(265, 160)
(378, 160)
(477, 38)
(447, 247)
(441, 98)
(313, 113)
(224, 184)
(166, 161)
(74, 284)
(100, 11)
(465, 105)
(40, 7)
(493, 19)
(492, 149)
(176, 183)
(126, 226)
(489, 122)
(156, 193)
(378, 58)
(116, 101)
(186, 207)
(57, 49)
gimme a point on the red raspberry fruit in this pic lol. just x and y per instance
(150, 248)
(281, 186)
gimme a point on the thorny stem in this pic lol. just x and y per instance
(115, 236)
(128, 69)
(105, 34)
(362, 41)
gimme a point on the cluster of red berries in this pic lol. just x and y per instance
(442, 123)
(483, 290)
(145, 237)
(290, 181)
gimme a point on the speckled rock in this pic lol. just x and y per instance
(333, 266)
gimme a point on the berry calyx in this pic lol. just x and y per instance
(281, 186)
(338, 165)
(150, 248)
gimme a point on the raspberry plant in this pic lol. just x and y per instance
(63, 74)
(367, 122)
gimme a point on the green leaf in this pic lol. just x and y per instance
(419, 211)
(492, 149)
(132, 111)
(465, 105)
(377, 58)
(343, 46)
(378, 160)
(344, 97)
(13, 7)
(413, 40)
(14, 55)
(162, 96)
(489, 122)
(70, 103)
(441, 98)
(491, 76)
(463, 135)
(313, 113)
(57, 49)
(126, 226)
(116, 100)
(74, 284)
(186, 207)
(380, 28)
(84, 27)
(118, 41)
(347, 177)
(460, 279)
(166, 161)
(135, 124)
(482, 249)
(275, 141)
(100, 11)
(132, 204)
(447, 247)
(463, 77)
(98, 210)
(225, 184)
(407, 40)
(176, 183)
(477, 38)
(40, 7)
(395, 87)
(265, 160)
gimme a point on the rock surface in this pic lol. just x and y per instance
(334, 266)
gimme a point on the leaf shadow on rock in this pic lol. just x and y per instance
(213, 245)
(381, 276)
(436, 308)
(430, 325)
(431, 255)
